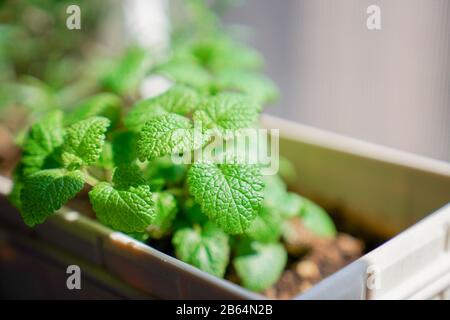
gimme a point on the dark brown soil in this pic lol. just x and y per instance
(312, 259)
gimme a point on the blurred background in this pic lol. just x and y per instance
(388, 86)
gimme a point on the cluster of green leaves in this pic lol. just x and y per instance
(217, 214)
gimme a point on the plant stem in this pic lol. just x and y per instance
(90, 180)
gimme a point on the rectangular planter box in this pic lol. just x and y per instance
(383, 190)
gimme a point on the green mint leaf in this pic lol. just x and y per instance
(221, 53)
(278, 200)
(46, 191)
(129, 71)
(287, 170)
(128, 175)
(266, 227)
(84, 141)
(165, 135)
(255, 85)
(179, 99)
(185, 72)
(104, 104)
(229, 194)
(259, 265)
(291, 205)
(166, 210)
(42, 142)
(206, 249)
(316, 219)
(227, 111)
(275, 191)
(127, 209)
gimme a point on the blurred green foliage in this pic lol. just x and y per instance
(43, 64)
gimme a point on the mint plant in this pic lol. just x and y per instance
(119, 149)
